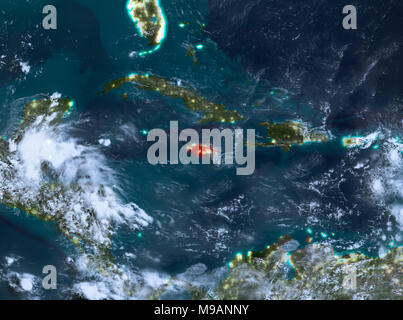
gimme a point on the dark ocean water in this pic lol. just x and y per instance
(348, 83)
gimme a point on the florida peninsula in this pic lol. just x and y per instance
(148, 16)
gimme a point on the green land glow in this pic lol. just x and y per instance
(150, 21)
(213, 112)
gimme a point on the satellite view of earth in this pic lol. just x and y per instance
(320, 217)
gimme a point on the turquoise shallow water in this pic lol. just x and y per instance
(202, 214)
